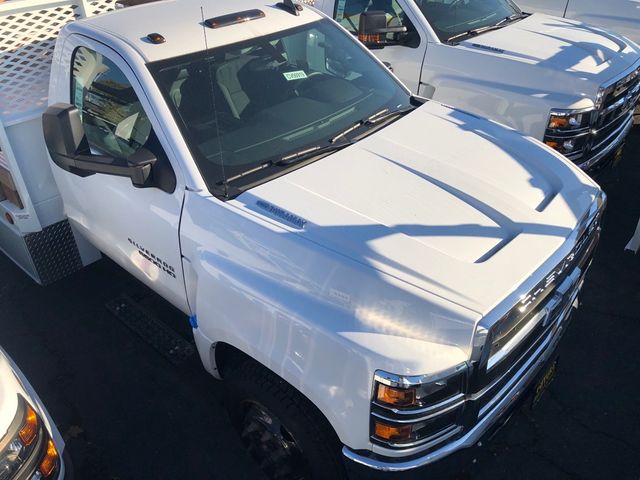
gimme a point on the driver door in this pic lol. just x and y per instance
(136, 227)
(404, 53)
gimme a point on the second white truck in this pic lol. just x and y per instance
(570, 85)
(620, 16)
(378, 278)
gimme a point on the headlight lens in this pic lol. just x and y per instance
(23, 431)
(29, 447)
(418, 395)
(569, 121)
(410, 410)
(568, 131)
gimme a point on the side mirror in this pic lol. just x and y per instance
(69, 149)
(373, 29)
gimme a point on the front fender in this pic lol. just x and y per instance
(318, 320)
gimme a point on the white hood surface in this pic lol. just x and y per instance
(562, 45)
(455, 205)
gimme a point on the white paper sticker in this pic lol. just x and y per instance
(297, 75)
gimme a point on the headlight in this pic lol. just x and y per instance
(568, 131)
(568, 121)
(27, 451)
(408, 411)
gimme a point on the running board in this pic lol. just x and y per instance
(161, 337)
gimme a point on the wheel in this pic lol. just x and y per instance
(283, 431)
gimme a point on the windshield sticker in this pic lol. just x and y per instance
(297, 75)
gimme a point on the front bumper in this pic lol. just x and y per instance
(364, 464)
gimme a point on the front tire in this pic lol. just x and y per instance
(283, 431)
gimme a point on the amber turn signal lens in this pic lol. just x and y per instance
(29, 430)
(369, 38)
(398, 397)
(50, 460)
(396, 434)
(559, 122)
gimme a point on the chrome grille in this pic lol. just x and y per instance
(519, 334)
(610, 122)
(522, 340)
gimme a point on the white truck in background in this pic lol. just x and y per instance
(569, 85)
(380, 279)
(620, 16)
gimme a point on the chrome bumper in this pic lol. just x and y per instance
(520, 383)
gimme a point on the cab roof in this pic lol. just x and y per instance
(180, 23)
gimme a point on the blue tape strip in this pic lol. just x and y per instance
(193, 320)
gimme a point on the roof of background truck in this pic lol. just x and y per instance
(180, 23)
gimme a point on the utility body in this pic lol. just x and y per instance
(380, 278)
(570, 85)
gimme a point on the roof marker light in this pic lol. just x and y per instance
(234, 18)
(156, 38)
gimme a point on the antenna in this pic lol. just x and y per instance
(213, 101)
(290, 6)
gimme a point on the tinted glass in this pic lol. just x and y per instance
(453, 17)
(112, 116)
(348, 15)
(244, 106)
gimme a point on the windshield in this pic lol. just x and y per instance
(247, 107)
(451, 18)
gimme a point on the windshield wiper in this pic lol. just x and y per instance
(512, 18)
(312, 152)
(318, 150)
(477, 31)
(373, 120)
(387, 114)
(290, 159)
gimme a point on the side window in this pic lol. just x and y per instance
(348, 15)
(112, 115)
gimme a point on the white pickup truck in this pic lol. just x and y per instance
(567, 84)
(620, 16)
(380, 279)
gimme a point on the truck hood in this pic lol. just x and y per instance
(458, 206)
(562, 45)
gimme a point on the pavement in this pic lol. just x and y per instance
(127, 412)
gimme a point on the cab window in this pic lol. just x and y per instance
(348, 15)
(112, 116)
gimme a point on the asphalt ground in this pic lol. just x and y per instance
(126, 412)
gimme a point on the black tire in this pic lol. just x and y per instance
(283, 431)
